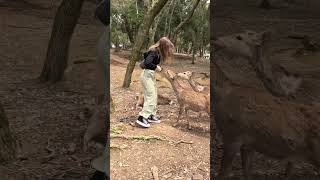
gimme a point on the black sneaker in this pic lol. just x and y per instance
(143, 122)
(153, 119)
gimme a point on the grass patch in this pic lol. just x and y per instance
(146, 138)
(117, 130)
(139, 138)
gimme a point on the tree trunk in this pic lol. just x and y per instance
(202, 33)
(189, 50)
(166, 22)
(57, 54)
(154, 30)
(200, 52)
(154, 27)
(140, 39)
(193, 46)
(8, 141)
(193, 53)
(128, 30)
(201, 49)
(117, 45)
(185, 21)
(173, 4)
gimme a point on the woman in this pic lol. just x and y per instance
(157, 54)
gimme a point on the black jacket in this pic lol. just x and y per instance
(151, 59)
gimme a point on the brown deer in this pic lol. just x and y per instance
(254, 47)
(96, 130)
(162, 82)
(162, 100)
(252, 120)
(187, 75)
(187, 98)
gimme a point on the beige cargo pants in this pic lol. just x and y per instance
(149, 86)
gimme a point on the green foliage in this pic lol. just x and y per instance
(199, 24)
(127, 15)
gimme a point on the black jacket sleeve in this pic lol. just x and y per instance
(149, 61)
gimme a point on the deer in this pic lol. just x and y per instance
(262, 120)
(162, 100)
(187, 75)
(187, 98)
(252, 46)
(96, 130)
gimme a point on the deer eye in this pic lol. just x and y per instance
(239, 37)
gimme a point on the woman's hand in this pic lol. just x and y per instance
(159, 68)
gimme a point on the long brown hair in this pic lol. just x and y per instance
(165, 47)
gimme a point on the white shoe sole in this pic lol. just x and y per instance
(142, 124)
(156, 122)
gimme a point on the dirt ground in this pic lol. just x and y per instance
(46, 118)
(180, 154)
(301, 17)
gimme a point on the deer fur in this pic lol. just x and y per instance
(187, 98)
(96, 130)
(162, 100)
(252, 120)
(254, 48)
(187, 75)
(263, 123)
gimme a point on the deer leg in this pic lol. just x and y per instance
(179, 115)
(289, 171)
(140, 101)
(180, 112)
(246, 157)
(90, 130)
(229, 152)
(188, 119)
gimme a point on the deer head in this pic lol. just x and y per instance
(242, 44)
(185, 75)
(170, 75)
(252, 45)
